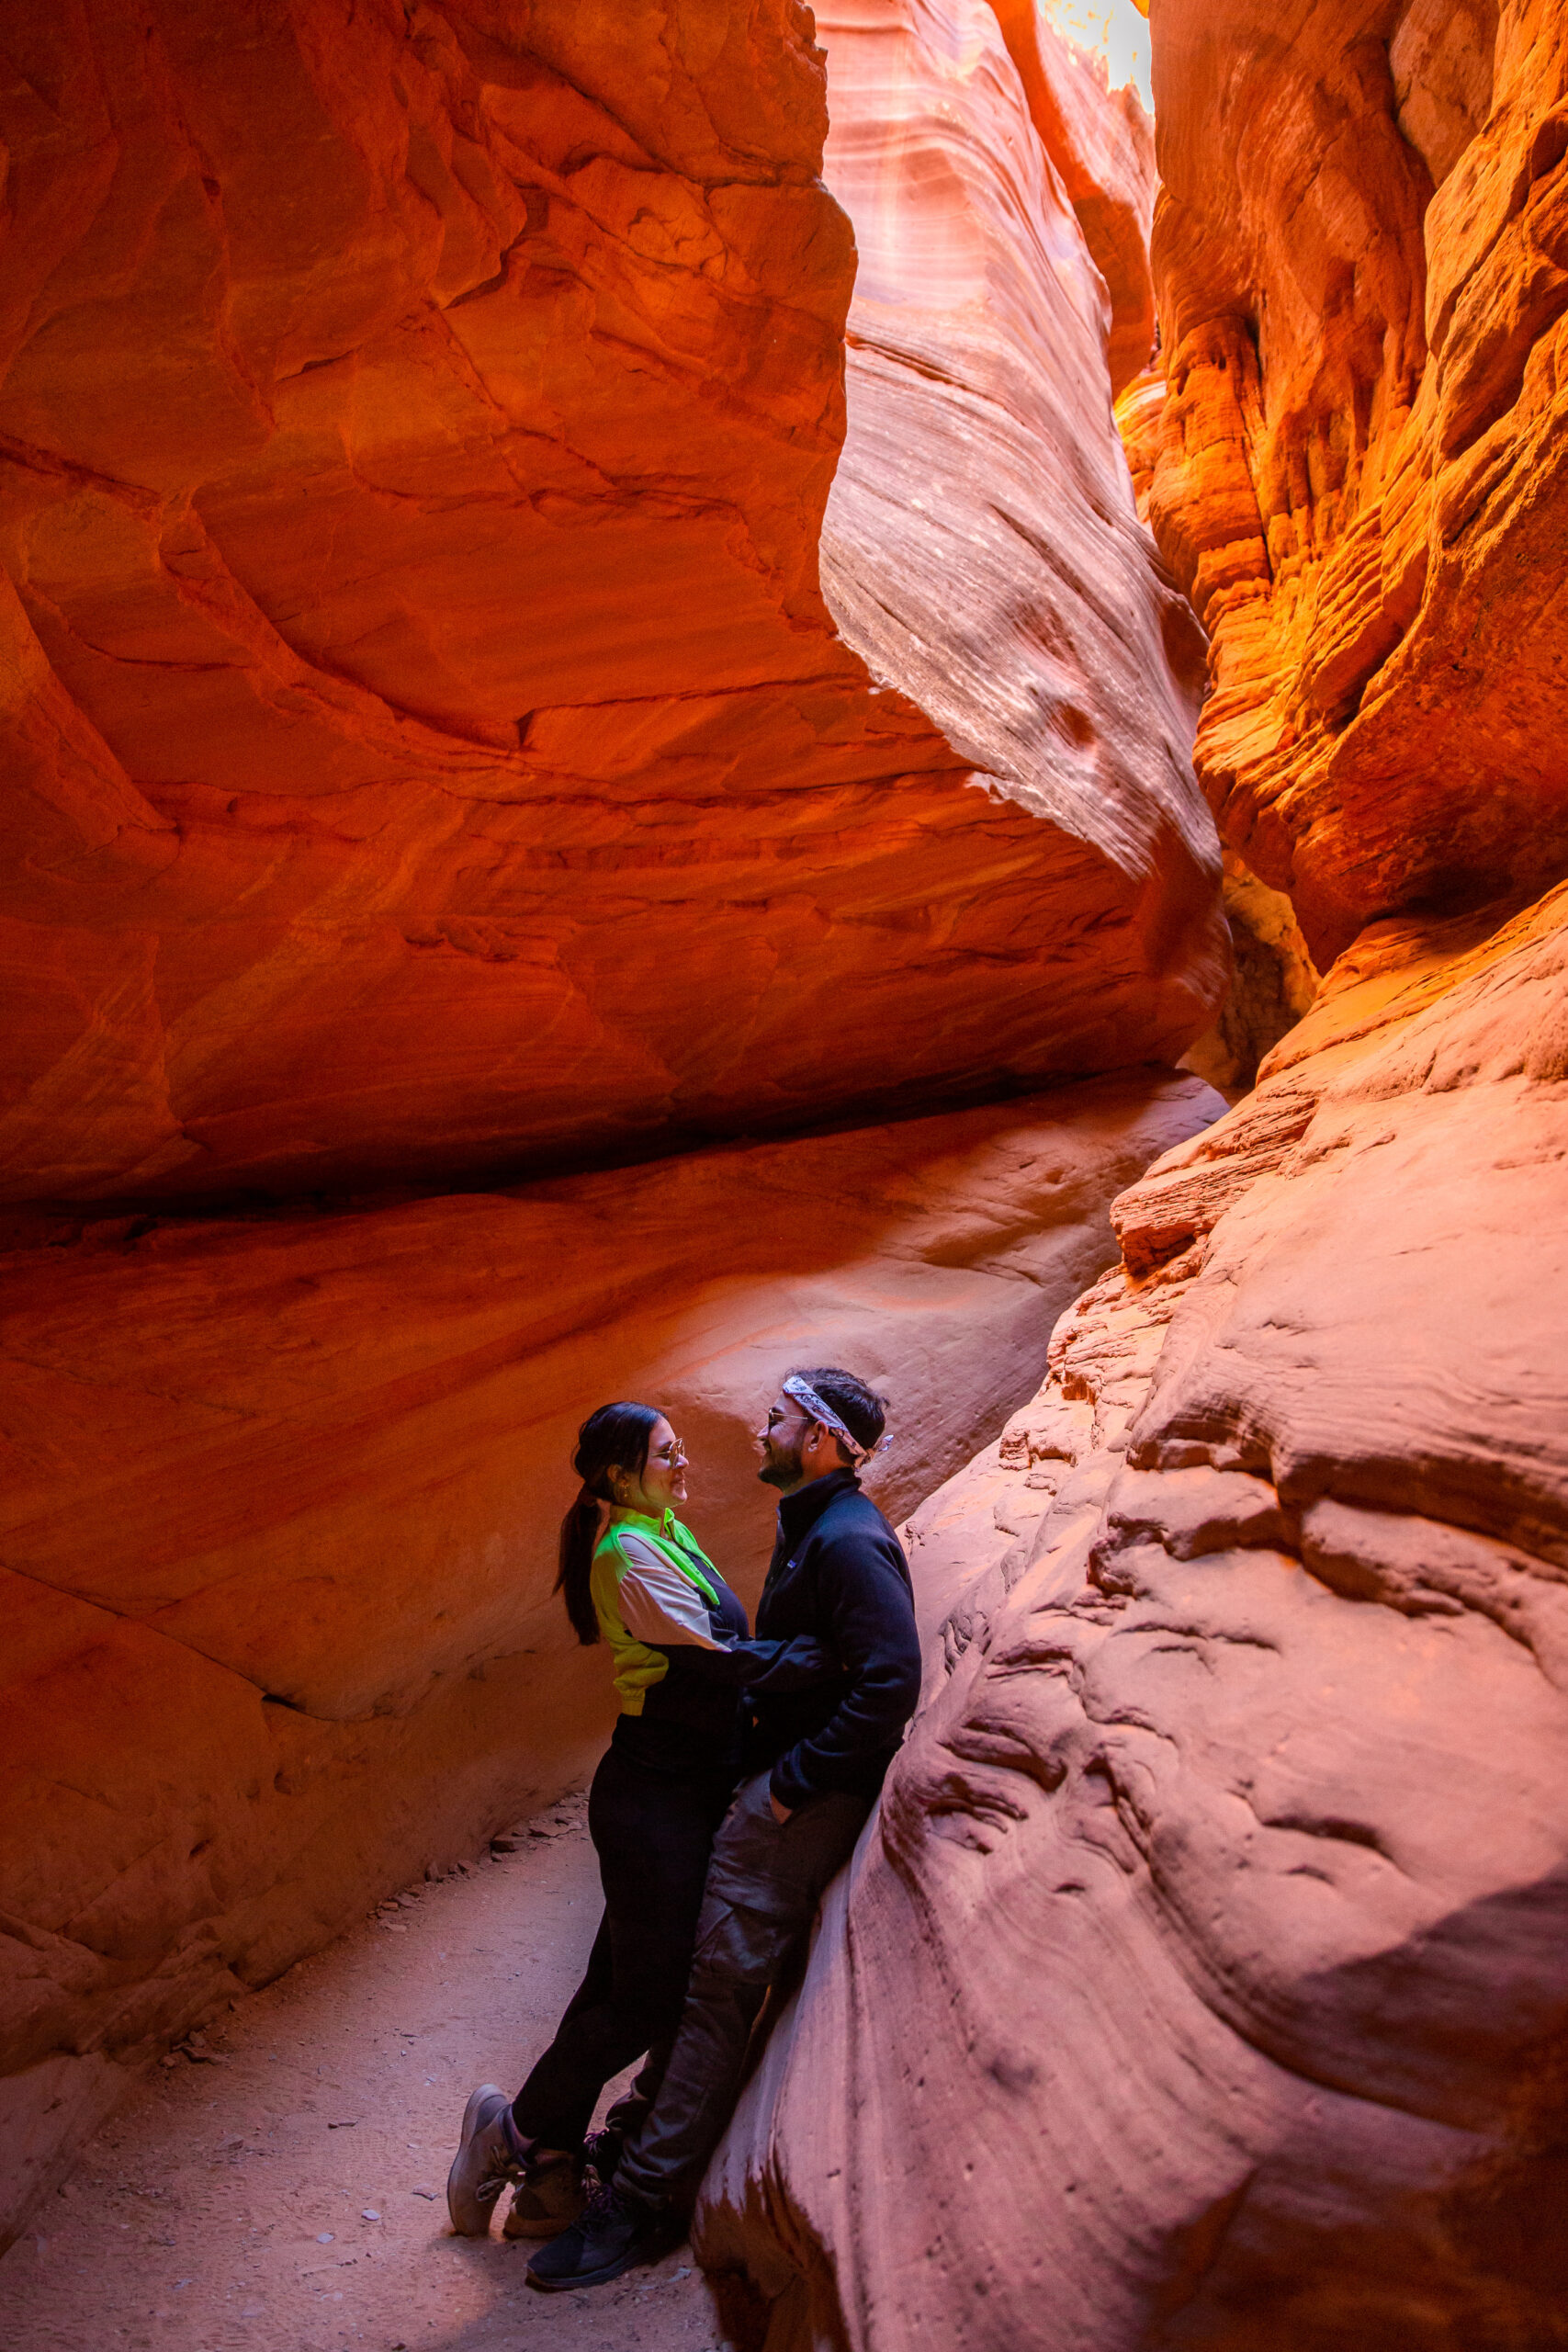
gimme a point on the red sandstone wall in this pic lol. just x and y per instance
(981, 547)
(1200, 1977)
(430, 746)
(1100, 143)
(1202, 1981)
(430, 751)
(1361, 252)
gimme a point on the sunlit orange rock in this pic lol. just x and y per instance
(1361, 252)
(430, 751)
(1199, 1979)
(281, 1494)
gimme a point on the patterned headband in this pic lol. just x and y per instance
(819, 1410)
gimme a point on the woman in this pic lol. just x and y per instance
(633, 1576)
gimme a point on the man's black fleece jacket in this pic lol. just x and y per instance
(838, 1573)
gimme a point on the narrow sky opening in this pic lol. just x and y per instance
(1112, 29)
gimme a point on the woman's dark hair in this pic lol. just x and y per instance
(614, 1437)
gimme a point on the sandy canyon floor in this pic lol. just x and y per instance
(285, 2193)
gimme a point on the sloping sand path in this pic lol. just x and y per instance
(228, 2207)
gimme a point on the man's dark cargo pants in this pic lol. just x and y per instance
(763, 1885)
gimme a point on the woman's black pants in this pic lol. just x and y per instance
(653, 1834)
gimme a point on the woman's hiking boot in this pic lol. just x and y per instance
(489, 2155)
(549, 2199)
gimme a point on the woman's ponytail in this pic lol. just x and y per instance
(614, 1437)
(579, 1533)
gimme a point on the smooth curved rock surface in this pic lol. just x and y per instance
(282, 1494)
(432, 754)
(981, 547)
(1361, 256)
(1201, 1978)
(1100, 143)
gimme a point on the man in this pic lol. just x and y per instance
(815, 1763)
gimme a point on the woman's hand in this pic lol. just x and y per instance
(781, 1812)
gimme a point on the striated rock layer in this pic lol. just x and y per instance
(980, 546)
(430, 751)
(1204, 1979)
(1362, 254)
(281, 1496)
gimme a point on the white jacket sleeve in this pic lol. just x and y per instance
(658, 1604)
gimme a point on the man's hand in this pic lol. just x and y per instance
(782, 1813)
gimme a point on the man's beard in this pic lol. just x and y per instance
(781, 1466)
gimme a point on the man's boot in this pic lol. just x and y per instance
(616, 2231)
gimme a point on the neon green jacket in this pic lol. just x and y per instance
(652, 1585)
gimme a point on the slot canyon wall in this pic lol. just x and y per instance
(1220, 1892)
(1220, 1889)
(420, 691)
(483, 710)
(1361, 475)
(278, 1533)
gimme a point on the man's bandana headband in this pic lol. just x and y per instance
(819, 1410)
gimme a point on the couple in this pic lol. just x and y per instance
(709, 1890)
